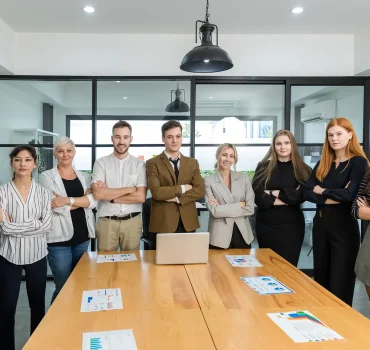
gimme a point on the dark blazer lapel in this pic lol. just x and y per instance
(183, 168)
(169, 166)
(222, 188)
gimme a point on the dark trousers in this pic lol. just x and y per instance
(336, 240)
(10, 281)
(237, 240)
(153, 236)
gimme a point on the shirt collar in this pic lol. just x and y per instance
(169, 157)
(120, 160)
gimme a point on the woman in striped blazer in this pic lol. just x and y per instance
(25, 220)
(361, 210)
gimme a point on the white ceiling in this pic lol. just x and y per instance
(179, 16)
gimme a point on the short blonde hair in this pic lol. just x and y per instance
(63, 140)
(220, 150)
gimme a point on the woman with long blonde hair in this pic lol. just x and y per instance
(278, 184)
(333, 186)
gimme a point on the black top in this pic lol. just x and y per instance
(81, 234)
(282, 179)
(350, 171)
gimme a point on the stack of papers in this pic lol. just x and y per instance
(303, 327)
(112, 340)
(115, 258)
(243, 261)
(101, 300)
(266, 285)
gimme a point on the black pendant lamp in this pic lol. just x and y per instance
(177, 105)
(206, 58)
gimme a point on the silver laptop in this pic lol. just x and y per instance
(182, 248)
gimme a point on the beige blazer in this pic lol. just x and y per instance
(223, 216)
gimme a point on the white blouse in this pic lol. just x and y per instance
(23, 239)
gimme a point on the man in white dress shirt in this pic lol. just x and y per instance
(119, 183)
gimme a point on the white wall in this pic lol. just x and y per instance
(120, 54)
(362, 52)
(7, 48)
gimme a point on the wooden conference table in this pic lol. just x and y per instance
(204, 306)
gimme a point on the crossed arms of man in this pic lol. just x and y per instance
(193, 191)
(122, 195)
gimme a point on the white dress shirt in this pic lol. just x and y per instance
(118, 173)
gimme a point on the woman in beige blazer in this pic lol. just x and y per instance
(230, 200)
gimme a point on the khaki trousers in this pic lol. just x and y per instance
(125, 234)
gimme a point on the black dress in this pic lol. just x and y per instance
(335, 232)
(280, 228)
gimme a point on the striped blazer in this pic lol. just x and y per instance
(23, 238)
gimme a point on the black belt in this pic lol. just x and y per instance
(125, 217)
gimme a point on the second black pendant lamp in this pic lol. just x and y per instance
(177, 105)
(206, 58)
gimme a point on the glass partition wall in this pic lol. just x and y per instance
(213, 110)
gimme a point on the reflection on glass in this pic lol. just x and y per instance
(238, 113)
(143, 131)
(145, 101)
(36, 111)
(314, 106)
(306, 256)
(82, 160)
(80, 131)
(143, 153)
(248, 158)
(5, 170)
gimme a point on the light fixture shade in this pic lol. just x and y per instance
(206, 59)
(178, 117)
(177, 106)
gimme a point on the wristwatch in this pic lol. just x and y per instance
(71, 200)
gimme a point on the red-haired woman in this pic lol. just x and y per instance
(333, 185)
(278, 184)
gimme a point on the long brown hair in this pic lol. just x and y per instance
(302, 171)
(353, 148)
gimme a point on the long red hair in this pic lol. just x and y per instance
(353, 148)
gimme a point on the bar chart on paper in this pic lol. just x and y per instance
(111, 340)
(95, 343)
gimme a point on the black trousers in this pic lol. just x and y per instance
(336, 240)
(153, 236)
(237, 240)
(10, 281)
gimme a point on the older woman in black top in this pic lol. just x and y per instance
(73, 220)
(333, 187)
(278, 185)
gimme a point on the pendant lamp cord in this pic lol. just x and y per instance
(207, 14)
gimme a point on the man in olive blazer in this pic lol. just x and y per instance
(175, 184)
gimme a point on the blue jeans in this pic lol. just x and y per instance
(62, 261)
